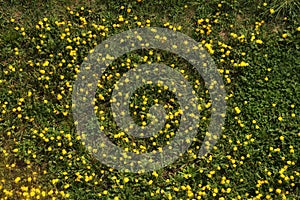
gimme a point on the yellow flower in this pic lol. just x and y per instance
(281, 138)
(46, 63)
(209, 48)
(272, 10)
(243, 64)
(237, 110)
(54, 181)
(32, 193)
(259, 41)
(298, 29)
(284, 35)
(64, 151)
(15, 150)
(199, 21)
(126, 180)
(17, 180)
(278, 191)
(121, 19)
(280, 118)
(59, 97)
(154, 173)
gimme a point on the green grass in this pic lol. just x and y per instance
(257, 156)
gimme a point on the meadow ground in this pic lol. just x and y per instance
(255, 46)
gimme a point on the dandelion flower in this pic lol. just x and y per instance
(284, 35)
(59, 97)
(259, 41)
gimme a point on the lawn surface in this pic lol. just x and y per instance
(255, 46)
